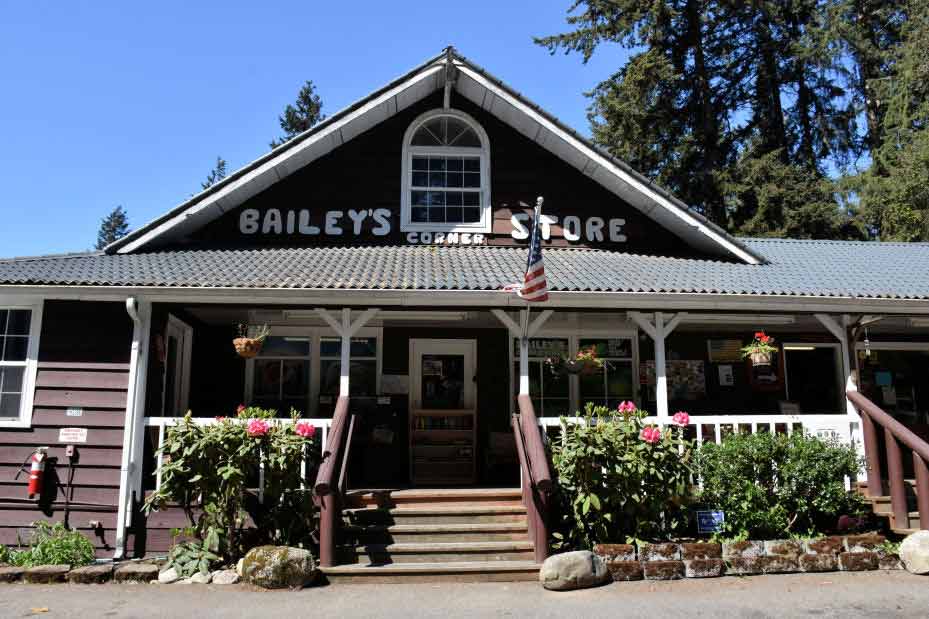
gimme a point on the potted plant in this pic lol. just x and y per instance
(760, 349)
(585, 361)
(248, 345)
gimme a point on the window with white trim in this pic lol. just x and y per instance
(446, 174)
(550, 391)
(613, 383)
(19, 335)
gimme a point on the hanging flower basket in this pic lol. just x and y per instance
(585, 361)
(248, 346)
(760, 351)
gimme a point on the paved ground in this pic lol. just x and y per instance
(866, 594)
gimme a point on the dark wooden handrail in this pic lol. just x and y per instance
(539, 470)
(326, 487)
(328, 467)
(895, 435)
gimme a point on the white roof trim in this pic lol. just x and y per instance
(477, 87)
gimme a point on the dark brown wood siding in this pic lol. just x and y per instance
(83, 364)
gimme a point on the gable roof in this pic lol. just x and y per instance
(478, 86)
(792, 268)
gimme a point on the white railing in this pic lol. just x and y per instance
(162, 423)
(712, 428)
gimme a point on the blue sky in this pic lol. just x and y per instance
(128, 103)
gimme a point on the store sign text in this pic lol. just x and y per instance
(379, 222)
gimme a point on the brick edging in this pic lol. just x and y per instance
(671, 561)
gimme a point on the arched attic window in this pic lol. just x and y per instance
(446, 174)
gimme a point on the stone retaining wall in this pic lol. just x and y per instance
(670, 561)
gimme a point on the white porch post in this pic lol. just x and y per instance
(523, 331)
(658, 331)
(346, 329)
(130, 473)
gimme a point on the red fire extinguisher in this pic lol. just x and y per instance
(36, 472)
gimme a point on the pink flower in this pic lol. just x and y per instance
(257, 428)
(625, 407)
(305, 429)
(220, 419)
(681, 418)
(240, 408)
(650, 434)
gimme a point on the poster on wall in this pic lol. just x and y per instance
(724, 351)
(686, 379)
(726, 376)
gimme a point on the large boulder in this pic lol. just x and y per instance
(279, 567)
(573, 570)
(914, 552)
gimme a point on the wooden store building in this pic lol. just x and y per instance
(377, 247)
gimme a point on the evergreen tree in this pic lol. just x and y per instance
(112, 227)
(303, 114)
(217, 174)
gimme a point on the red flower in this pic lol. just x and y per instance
(759, 335)
(240, 408)
(220, 418)
(625, 407)
(257, 428)
(681, 418)
(305, 429)
(650, 434)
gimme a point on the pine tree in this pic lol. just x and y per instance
(297, 118)
(217, 174)
(112, 227)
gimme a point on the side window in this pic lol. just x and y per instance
(281, 375)
(18, 346)
(550, 391)
(613, 383)
(362, 371)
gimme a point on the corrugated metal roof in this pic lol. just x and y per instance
(794, 268)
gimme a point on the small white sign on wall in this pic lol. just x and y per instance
(72, 435)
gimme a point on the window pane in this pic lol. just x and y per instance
(465, 138)
(9, 405)
(454, 179)
(437, 164)
(420, 163)
(472, 164)
(471, 215)
(19, 322)
(420, 179)
(424, 137)
(437, 214)
(454, 164)
(619, 380)
(362, 378)
(453, 215)
(295, 380)
(267, 381)
(418, 198)
(11, 379)
(15, 348)
(286, 347)
(3, 320)
(436, 198)
(330, 347)
(471, 198)
(472, 179)
(436, 179)
(419, 214)
(554, 385)
(453, 198)
(364, 347)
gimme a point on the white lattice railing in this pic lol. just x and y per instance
(159, 425)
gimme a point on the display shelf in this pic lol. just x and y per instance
(442, 446)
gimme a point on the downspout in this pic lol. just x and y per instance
(135, 397)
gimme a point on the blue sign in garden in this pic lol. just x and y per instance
(710, 520)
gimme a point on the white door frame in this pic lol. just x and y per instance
(184, 334)
(421, 346)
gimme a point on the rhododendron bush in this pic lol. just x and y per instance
(212, 472)
(620, 478)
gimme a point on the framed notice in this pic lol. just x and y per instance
(710, 520)
(724, 351)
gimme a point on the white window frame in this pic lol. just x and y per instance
(185, 335)
(574, 336)
(410, 151)
(24, 420)
(315, 335)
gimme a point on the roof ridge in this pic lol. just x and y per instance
(58, 256)
(831, 241)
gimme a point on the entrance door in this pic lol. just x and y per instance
(443, 412)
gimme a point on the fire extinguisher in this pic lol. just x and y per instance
(37, 471)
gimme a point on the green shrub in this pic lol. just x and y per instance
(619, 478)
(51, 544)
(207, 470)
(188, 558)
(772, 485)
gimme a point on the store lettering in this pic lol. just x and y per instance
(593, 229)
(303, 222)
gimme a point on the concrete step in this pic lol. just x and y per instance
(442, 552)
(473, 571)
(436, 515)
(419, 533)
(437, 497)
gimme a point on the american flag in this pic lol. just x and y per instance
(535, 285)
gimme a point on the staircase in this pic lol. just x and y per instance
(882, 506)
(420, 535)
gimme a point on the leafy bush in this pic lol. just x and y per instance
(188, 558)
(619, 478)
(207, 470)
(772, 485)
(51, 544)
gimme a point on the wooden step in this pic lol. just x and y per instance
(473, 571)
(439, 497)
(399, 533)
(436, 515)
(443, 552)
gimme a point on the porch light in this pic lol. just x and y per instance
(793, 347)
(752, 319)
